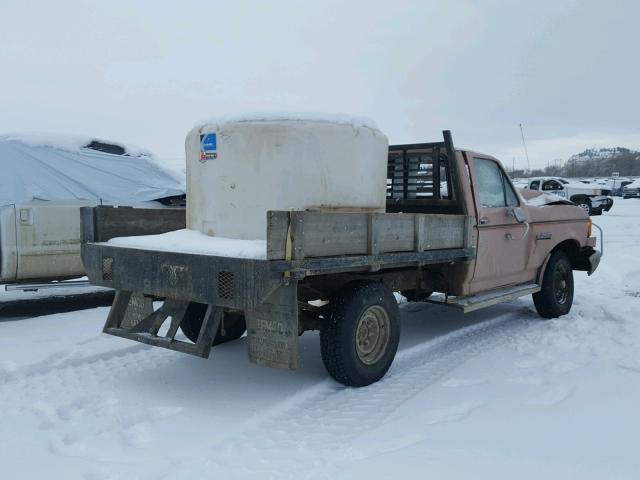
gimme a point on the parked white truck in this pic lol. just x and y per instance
(593, 198)
(45, 182)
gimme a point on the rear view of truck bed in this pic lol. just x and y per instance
(299, 245)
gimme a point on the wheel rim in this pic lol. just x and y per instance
(372, 334)
(584, 206)
(561, 284)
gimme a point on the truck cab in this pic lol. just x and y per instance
(510, 232)
(591, 197)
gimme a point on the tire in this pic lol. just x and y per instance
(596, 212)
(415, 295)
(234, 324)
(584, 203)
(556, 296)
(360, 333)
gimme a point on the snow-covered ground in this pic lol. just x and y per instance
(498, 393)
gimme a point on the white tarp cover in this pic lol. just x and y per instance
(60, 168)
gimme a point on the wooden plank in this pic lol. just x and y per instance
(327, 234)
(110, 222)
(395, 232)
(277, 228)
(372, 234)
(443, 231)
(298, 226)
(87, 225)
(418, 232)
(331, 234)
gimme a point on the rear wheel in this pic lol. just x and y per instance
(234, 324)
(556, 296)
(359, 336)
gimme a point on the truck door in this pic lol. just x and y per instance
(48, 240)
(555, 187)
(503, 242)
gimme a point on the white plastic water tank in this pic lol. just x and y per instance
(239, 168)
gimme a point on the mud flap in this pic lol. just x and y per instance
(272, 329)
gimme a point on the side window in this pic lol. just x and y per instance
(493, 187)
(511, 196)
(535, 185)
(490, 184)
(551, 185)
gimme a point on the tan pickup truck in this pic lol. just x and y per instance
(454, 224)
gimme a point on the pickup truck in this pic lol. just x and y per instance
(631, 189)
(45, 183)
(477, 244)
(593, 198)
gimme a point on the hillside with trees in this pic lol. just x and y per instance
(591, 163)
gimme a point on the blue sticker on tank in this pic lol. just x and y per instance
(208, 142)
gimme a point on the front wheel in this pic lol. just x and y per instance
(585, 204)
(359, 336)
(556, 296)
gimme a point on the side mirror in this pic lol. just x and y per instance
(518, 213)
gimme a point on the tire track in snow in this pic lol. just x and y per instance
(311, 435)
(111, 361)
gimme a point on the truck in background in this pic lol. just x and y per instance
(46, 180)
(592, 198)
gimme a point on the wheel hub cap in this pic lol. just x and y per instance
(372, 334)
(561, 285)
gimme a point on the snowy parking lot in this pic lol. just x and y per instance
(498, 393)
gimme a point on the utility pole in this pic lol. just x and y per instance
(524, 144)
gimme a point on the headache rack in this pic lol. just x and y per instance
(419, 177)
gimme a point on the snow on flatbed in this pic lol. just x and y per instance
(497, 393)
(192, 241)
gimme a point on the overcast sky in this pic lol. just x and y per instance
(145, 72)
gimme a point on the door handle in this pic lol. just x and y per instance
(484, 220)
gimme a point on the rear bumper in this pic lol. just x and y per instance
(140, 276)
(236, 283)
